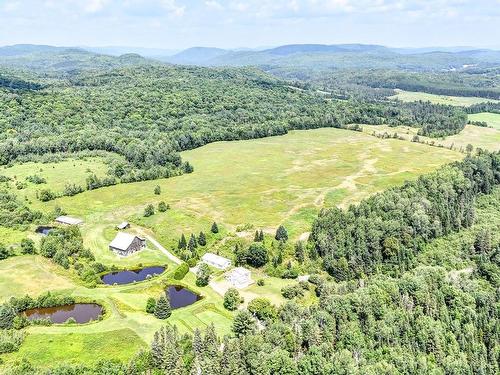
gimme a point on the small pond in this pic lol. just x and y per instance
(180, 296)
(43, 230)
(129, 276)
(81, 312)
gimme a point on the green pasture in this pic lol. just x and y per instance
(492, 119)
(463, 101)
(262, 182)
(57, 174)
(479, 137)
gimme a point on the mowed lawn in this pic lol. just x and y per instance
(492, 119)
(464, 101)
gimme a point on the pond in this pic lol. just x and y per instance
(129, 276)
(180, 296)
(80, 312)
(43, 230)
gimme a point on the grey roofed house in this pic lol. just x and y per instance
(126, 244)
(68, 220)
(123, 225)
(216, 261)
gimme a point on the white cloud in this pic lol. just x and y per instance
(172, 7)
(94, 6)
(216, 5)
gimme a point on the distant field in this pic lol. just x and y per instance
(492, 119)
(57, 175)
(412, 96)
(486, 138)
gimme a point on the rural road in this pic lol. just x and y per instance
(169, 255)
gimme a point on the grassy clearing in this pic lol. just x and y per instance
(57, 175)
(276, 180)
(463, 101)
(486, 138)
(492, 119)
(46, 349)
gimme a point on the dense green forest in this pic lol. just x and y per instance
(483, 83)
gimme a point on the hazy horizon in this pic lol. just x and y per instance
(180, 24)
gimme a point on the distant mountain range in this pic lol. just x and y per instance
(293, 56)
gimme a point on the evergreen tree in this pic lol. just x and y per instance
(210, 342)
(281, 234)
(203, 275)
(299, 252)
(162, 207)
(261, 236)
(202, 239)
(192, 244)
(182, 242)
(215, 228)
(243, 324)
(197, 343)
(157, 190)
(162, 308)
(240, 255)
(256, 237)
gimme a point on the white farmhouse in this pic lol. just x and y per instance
(216, 261)
(239, 277)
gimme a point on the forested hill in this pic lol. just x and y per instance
(342, 56)
(56, 61)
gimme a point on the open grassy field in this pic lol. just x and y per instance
(275, 180)
(464, 101)
(260, 183)
(57, 174)
(486, 138)
(492, 119)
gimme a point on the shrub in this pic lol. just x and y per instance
(181, 271)
(4, 252)
(290, 274)
(46, 195)
(27, 246)
(151, 305)
(261, 282)
(149, 210)
(292, 291)
(162, 207)
(157, 190)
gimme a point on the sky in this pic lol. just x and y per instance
(179, 24)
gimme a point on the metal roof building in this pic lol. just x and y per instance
(68, 220)
(126, 244)
(216, 261)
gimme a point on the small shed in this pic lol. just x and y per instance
(125, 244)
(216, 261)
(68, 220)
(239, 277)
(123, 225)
